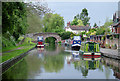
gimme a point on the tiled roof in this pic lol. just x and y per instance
(74, 27)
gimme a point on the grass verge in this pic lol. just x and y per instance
(12, 54)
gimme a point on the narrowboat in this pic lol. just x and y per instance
(76, 42)
(40, 42)
(90, 49)
(91, 58)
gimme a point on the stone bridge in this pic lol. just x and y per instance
(45, 35)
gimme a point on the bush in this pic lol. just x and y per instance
(7, 42)
(59, 42)
(28, 40)
(65, 35)
(111, 37)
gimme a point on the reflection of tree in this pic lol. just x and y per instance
(84, 71)
(53, 63)
(85, 65)
(17, 72)
(81, 65)
(34, 63)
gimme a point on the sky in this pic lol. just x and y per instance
(98, 11)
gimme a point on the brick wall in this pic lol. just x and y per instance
(118, 30)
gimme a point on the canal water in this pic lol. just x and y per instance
(57, 62)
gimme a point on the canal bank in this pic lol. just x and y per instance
(111, 53)
(9, 63)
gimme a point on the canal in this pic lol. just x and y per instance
(57, 62)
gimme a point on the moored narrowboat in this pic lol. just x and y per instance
(90, 49)
(76, 42)
(40, 42)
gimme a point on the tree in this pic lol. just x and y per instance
(36, 11)
(84, 16)
(80, 23)
(14, 18)
(37, 7)
(74, 22)
(105, 28)
(65, 35)
(53, 23)
(107, 24)
(94, 25)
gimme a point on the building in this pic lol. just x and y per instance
(76, 29)
(115, 27)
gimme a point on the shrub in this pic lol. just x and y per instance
(111, 37)
(59, 42)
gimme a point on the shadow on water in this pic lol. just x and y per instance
(53, 62)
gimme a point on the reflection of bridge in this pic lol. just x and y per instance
(45, 35)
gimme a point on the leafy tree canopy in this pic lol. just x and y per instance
(14, 18)
(80, 23)
(53, 23)
(83, 16)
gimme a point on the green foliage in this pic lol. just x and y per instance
(84, 16)
(111, 37)
(80, 23)
(81, 19)
(74, 22)
(28, 40)
(14, 18)
(7, 43)
(105, 28)
(91, 32)
(53, 23)
(50, 40)
(10, 55)
(65, 35)
(35, 23)
(94, 25)
(100, 31)
(0, 20)
(77, 22)
(107, 24)
(59, 42)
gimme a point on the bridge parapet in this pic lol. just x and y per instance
(45, 35)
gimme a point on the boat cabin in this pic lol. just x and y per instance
(90, 49)
(76, 42)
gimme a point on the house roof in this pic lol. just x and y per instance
(74, 27)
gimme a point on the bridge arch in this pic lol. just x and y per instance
(46, 35)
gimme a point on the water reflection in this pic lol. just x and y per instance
(55, 63)
(83, 64)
